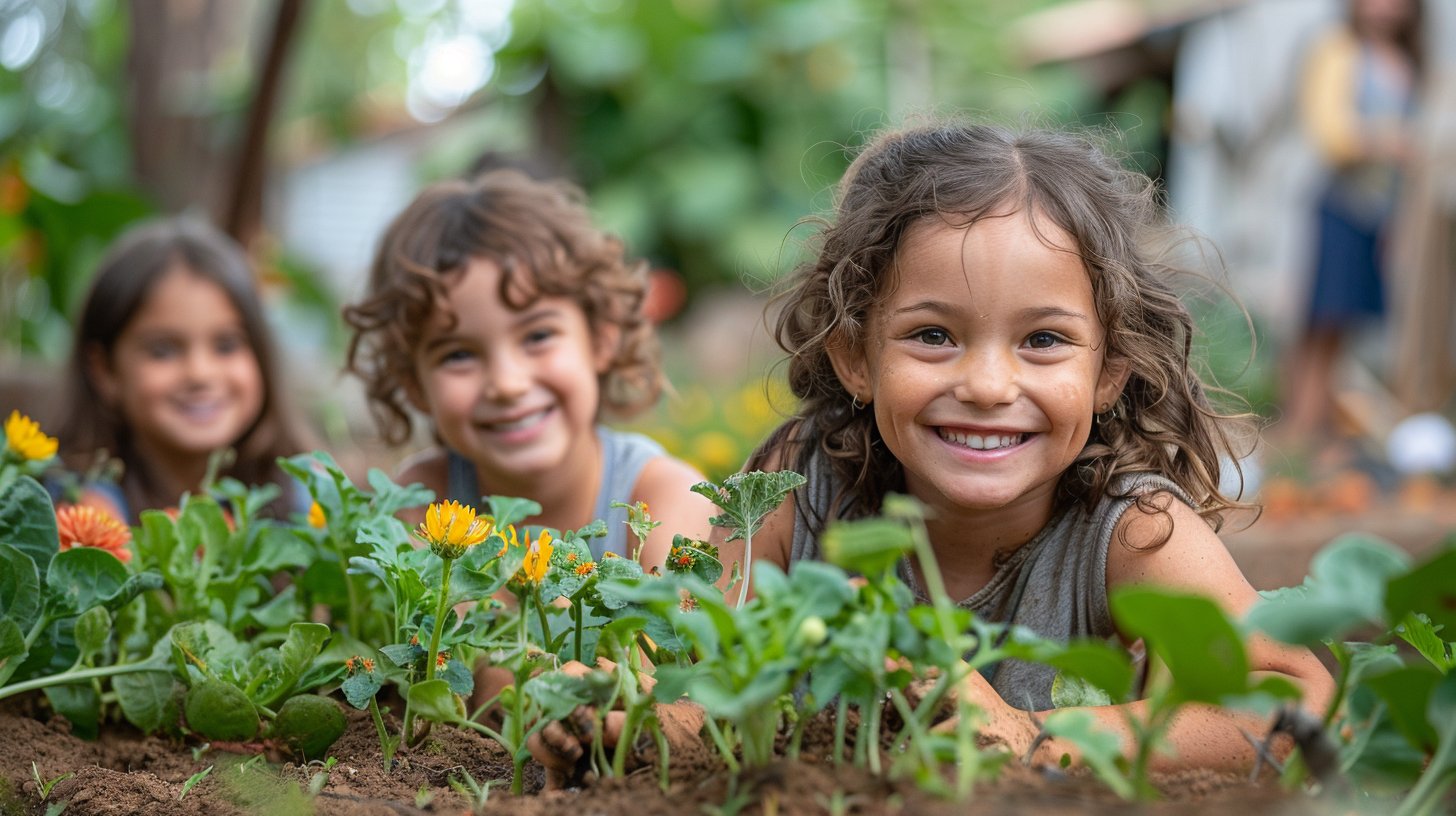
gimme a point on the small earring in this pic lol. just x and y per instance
(855, 403)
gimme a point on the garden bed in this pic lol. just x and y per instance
(125, 772)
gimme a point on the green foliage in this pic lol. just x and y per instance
(307, 725)
(220, 711)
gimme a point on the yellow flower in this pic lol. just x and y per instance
(508, 540)
(538, 558)
(24, 436)
(451, 528)
(316, 517)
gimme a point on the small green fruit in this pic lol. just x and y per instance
(307, 725)
(221, 711)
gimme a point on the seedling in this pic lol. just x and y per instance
(193, 780)
(745, 499)
(475, 793)
(43, 786)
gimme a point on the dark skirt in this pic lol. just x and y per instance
(1348, 283)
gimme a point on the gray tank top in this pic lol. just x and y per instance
(624, 454)
(1055, 584)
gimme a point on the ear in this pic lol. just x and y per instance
(608, 338)
(103, 379)
(1115, 373)
(852, 369)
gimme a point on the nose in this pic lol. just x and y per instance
(508, 377)
(988, 377)
(198, 363)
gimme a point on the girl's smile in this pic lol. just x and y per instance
(984, 363)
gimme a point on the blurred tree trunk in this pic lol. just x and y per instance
(189, 151)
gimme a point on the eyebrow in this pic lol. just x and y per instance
(1032, 313)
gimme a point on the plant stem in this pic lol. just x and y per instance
(541, 618)
(76, 676)
(1426, 795)
(747, 565)
(386, 744)
(578, 614)
(440, 609)
(349, 588)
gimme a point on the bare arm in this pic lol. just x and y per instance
(1193, 560)
(666, 486)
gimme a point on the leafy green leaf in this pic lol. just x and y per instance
(867, 547)
(390, 498)
(302, 645)
(1101, 749)
(1406, 692)
(83, 577)
(28, 522)
(1429, 589)
(79, 703)
(458, 675)
(1070, 691)
(557, 694)
(509, 510)
(145, 698)
(433, 700)
(19, 587)
(1345, 589)
(360, 687)
(745, 499)
(1193, 637)
(1419, 633)
(93, 629)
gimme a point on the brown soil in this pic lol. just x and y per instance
(125, 772)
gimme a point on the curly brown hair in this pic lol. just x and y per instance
(962, 172)
(541, 236)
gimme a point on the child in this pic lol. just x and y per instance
(172, 362)
(496, 309)
(983, 331)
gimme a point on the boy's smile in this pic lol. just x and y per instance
(984, 363)
(514, 391)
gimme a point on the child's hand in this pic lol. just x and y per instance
(563, 747)
(1000, 723)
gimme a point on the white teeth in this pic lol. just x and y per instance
(517, 424)
(981, 441)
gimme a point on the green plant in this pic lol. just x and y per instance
(745, 499)
(43, 786)
(475, 793)
(193, 780)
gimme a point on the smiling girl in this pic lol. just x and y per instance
(499, 312)
(983, 329)
(172, 362)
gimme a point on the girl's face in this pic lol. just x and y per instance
(515, 392)
(182, 373)
(984, 363)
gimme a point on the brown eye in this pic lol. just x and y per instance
(933, 337)
(1043, 340)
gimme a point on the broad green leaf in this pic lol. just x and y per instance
(433, 700)
(1101, 750)
(1429, 589)
(1406, 693)
(386, 537)
(277, 548)
(1345, 589)
(19, 587)
(403, 654)
(745, 499)
(83, 577)
(12, 648)
(867, 547)
(1102, 665)
(557, 694)
(303, 644)
(1071, 691)
(93, 628)
(458, 675)
(390, 498)
(509, 510)
(1419, 633)
(28, 522)
(80, 704)
(157, 544)
(360, 687)
(818, 589)
(1191, 634)
(279, 611)
(145, 698)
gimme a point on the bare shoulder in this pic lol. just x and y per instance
(665, 484)
(1161, 540)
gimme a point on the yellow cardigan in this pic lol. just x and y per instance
(1327, 98)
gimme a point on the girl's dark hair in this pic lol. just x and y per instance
(1410, 37)
(541, 236)
(131, 269)
(961, 173)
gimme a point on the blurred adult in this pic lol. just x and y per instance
(1358, 98)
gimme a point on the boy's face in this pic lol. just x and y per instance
(182, 373)
(515, 392)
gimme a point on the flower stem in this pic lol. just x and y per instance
(440, 610)
(541, 618)
(386, 743)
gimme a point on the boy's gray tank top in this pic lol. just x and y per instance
(1055, 584)
(624, 454)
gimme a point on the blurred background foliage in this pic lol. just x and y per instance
(703, 130)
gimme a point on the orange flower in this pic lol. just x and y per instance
(316, 517)
(368, 665)
(586, 569)
(85, 526)
(442, 659)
